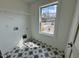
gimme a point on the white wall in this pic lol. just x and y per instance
(63, 22)
(13, 13)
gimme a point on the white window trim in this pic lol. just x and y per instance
(40, 18)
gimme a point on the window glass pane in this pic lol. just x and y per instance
(45, 12)
(52, 12)
(52, 8)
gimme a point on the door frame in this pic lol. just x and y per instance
(74, 39)
(73, 29)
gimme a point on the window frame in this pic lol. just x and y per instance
(53, 3)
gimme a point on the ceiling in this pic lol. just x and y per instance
(29, 1)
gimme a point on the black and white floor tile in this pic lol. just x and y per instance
(43, 51)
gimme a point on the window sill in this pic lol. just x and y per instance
(47, 34)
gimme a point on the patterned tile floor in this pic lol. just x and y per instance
(43, 51)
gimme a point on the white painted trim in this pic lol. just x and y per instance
(47, 34)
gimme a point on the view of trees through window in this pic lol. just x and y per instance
(48, 17)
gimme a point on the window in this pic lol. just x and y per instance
(47, 17)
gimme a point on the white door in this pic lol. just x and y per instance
(75, 48)
(73, 45)
(73, 32)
